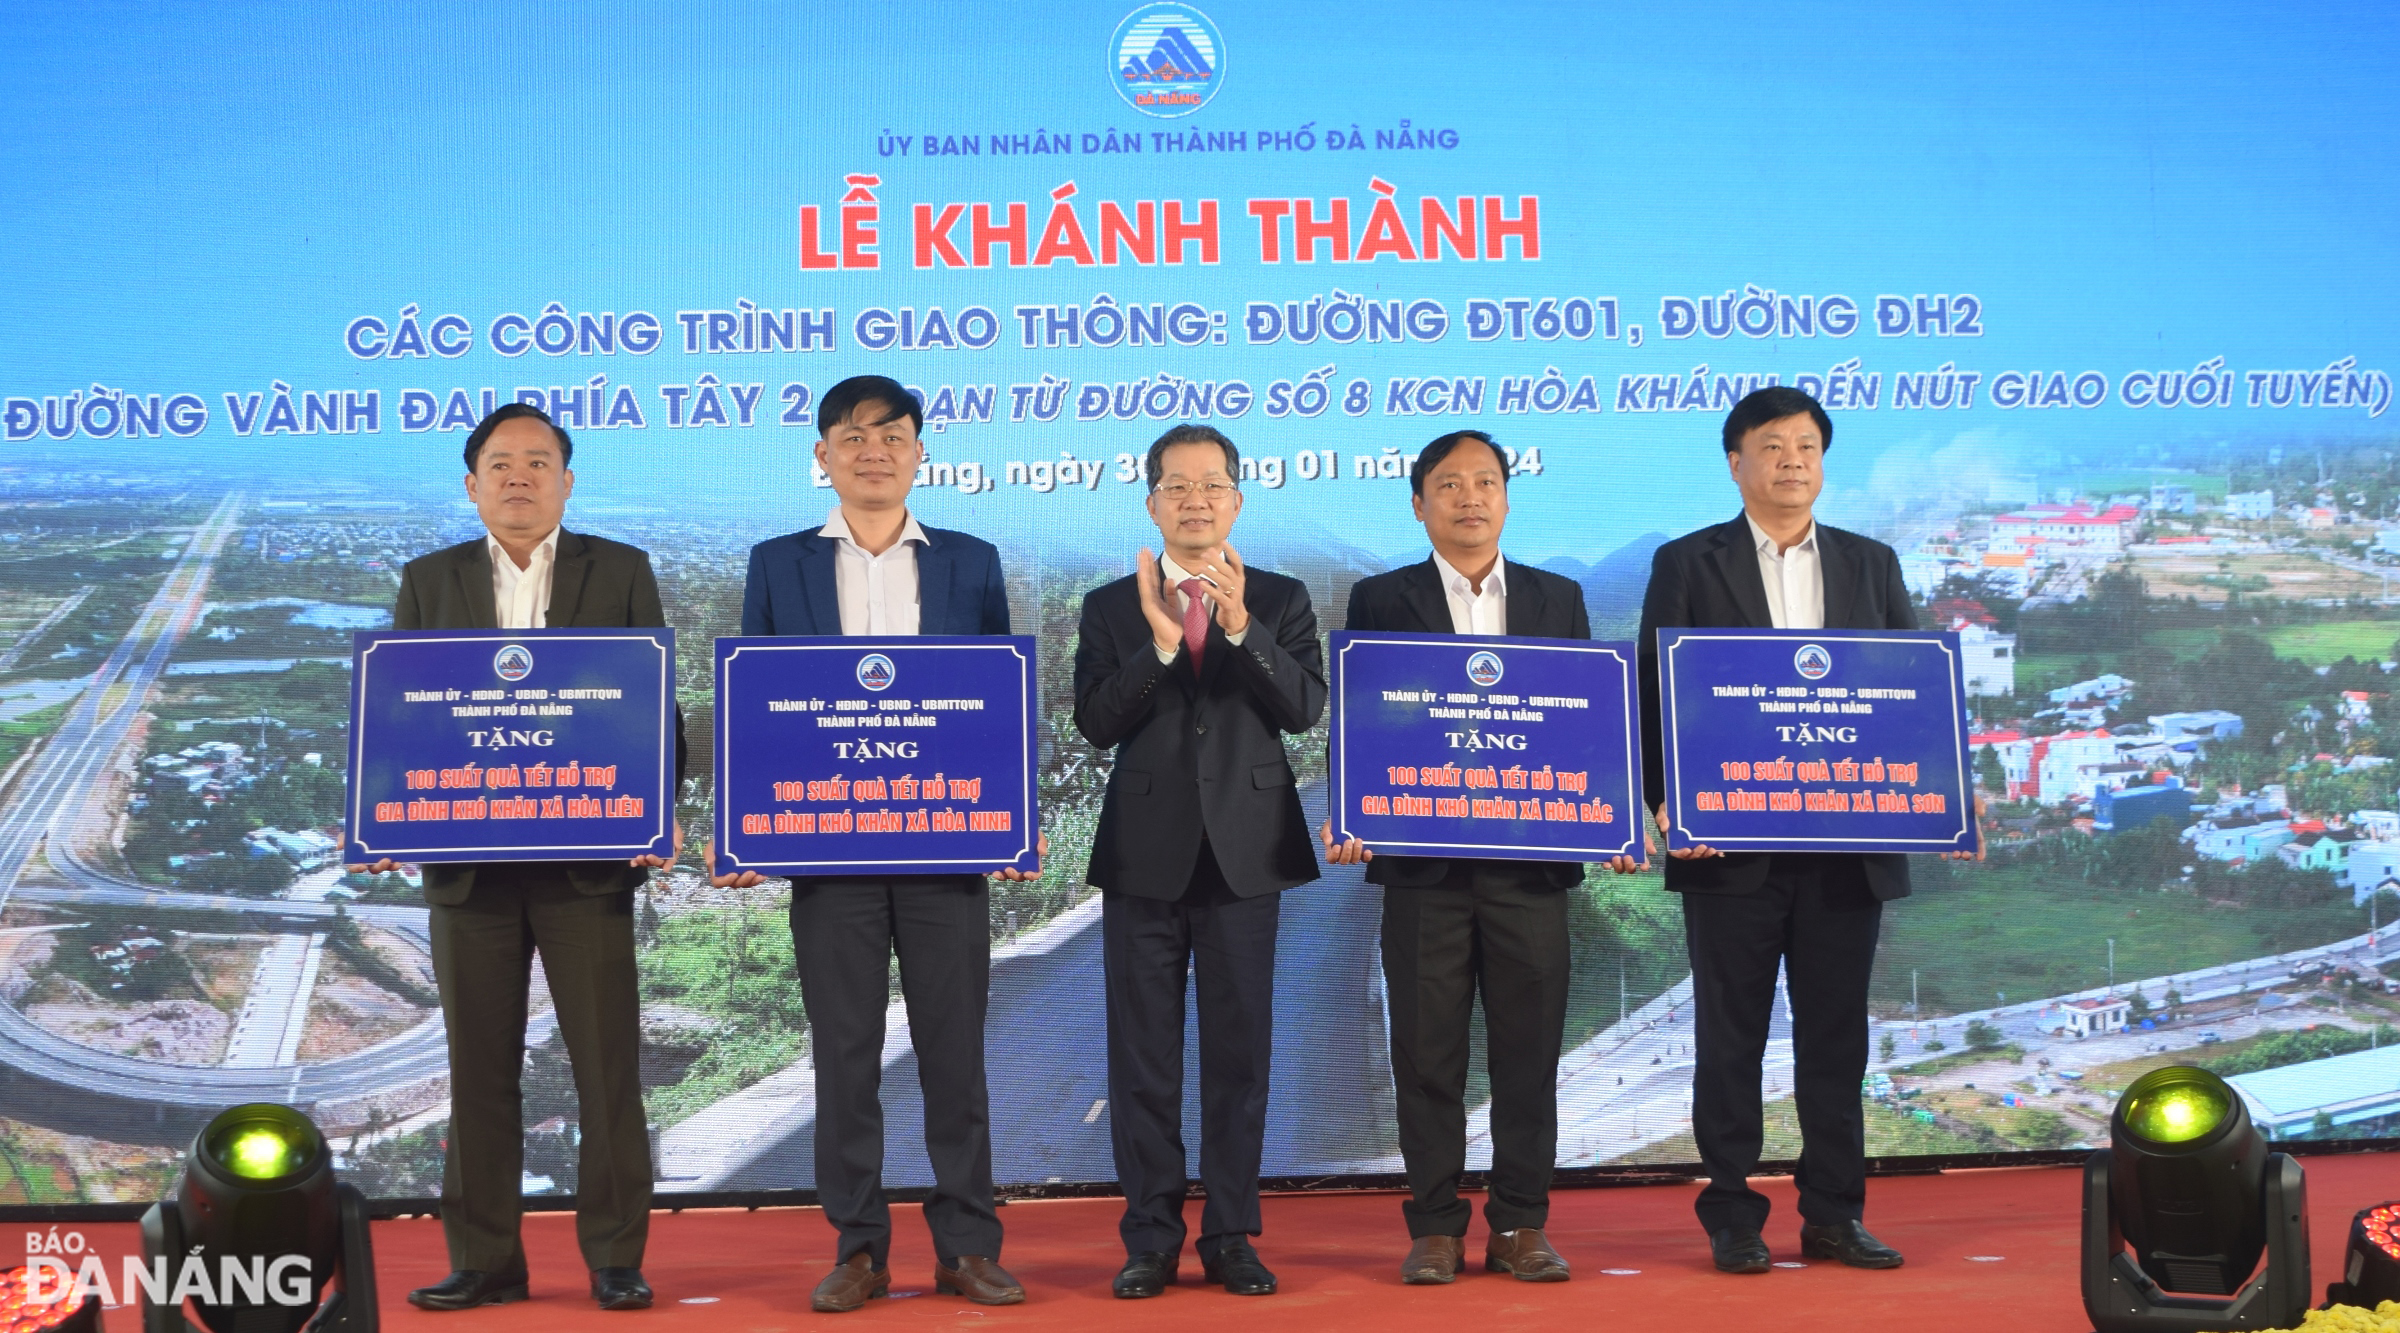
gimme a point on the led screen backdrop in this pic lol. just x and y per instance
(2100, 306)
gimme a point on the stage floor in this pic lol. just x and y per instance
(1986, 1250)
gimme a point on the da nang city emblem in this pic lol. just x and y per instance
(1167, 59)
(1812, 661)
(1484, 669)
(875, 671)
(513, 663)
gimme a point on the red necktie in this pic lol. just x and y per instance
(1195, 620)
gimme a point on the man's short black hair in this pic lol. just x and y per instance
(1191, 434)
(1431, 456)
(1774, 403)
(844, 398)
(510, 412)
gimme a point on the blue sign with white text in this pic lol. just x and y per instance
(511, 745)
(857, 756)
(1464, 745)
(1816, 740)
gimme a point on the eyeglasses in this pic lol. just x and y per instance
(1179, 491)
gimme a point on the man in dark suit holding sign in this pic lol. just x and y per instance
(1454, 926)
(872, 570)
(1191, 669)
(489, 919)
(1816, 915)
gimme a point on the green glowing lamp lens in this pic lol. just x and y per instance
(262, 1152)
(2177, 1112)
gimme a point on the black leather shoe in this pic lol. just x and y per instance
(1144, 1275)
(1238, 1269)
(1739, 1250)
(620, 1289)
(468, 1288)
(1849, 1242)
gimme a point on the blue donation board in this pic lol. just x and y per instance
(861, 756)
(1465, 745)
(511, 745)
(1816, 740)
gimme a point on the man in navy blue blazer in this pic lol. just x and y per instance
(872, 569)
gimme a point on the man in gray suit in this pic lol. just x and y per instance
(488, 920)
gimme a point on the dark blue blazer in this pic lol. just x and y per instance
(791, 587)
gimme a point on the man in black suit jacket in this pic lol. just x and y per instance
(1453, 927)
(488, 920)
(1816, 915)
(1191, 669)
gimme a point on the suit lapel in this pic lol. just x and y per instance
(571, 567)
(1527, 605)
(1421, 589)
(817, 584)
(1737, 564)
(1841, 577)
(935, 572)
(474, 574)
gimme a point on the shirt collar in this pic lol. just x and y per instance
(1766, 544)
(1173, 573)
(839, 528)
(544, 552)
(1494, 583)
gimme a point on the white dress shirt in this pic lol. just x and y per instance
(1473, 612)
(878, 593)
(521, 597)
(1795, 579)
(1175, 575)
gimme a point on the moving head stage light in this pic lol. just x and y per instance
(258, 1236)
(2188, 1185)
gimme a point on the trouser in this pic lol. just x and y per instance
(1149, 948)
(1440, 945)
(844, 934)
(483, 962)
(1814, 915)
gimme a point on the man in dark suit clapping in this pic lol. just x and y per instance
(1452, 927)
(1191, 669)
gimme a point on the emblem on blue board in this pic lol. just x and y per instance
(513, 663)
(1484, 669)
(1812, 661)
(875, 671)
(1167, 59)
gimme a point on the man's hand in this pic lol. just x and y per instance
(1226, 577)
(1684, 853)
(1981, 837)
(1351, 853)
(743, 880)
(1627, 865)
(383, 867)
(654, 861)
(1012, 874)
(1150, 581)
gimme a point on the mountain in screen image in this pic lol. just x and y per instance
(1613, 584)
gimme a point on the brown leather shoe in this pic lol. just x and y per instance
(851, 1285)
(1432, 1261)
(979, 1280)
(1525, 1253)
